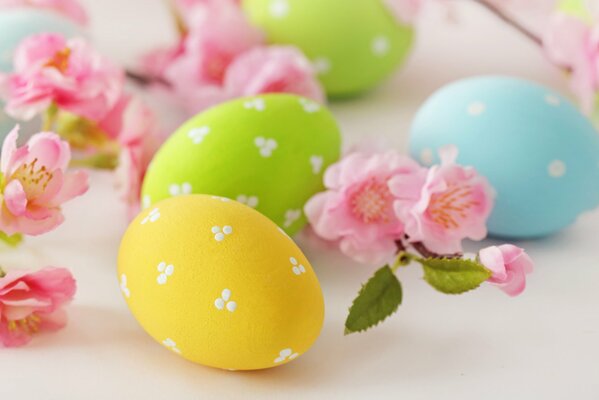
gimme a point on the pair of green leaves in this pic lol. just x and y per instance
(382, 294)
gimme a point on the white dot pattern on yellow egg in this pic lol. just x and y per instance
(124, 288)
(170, 344)
(203, 292)
(284, 355)
(297, 268)
(152, 216)
(224, 301)
(164, 272)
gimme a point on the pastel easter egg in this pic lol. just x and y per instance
(218, 283)
(17, 24)
(354, 45)
(582, 9)
(268, 152)
(538, 151)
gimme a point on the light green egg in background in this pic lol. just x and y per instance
(577, 8)
(269, 152)
(353, 44)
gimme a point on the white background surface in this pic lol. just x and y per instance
(483, 345)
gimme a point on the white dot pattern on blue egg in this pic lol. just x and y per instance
(538, 151)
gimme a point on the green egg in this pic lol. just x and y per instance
(353, 44)
(269, 152)
(576, 8)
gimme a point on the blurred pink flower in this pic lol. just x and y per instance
(405, 11)
(51, 70)
(140, 138)
(36, 183)
(357, 208)
(32, 302)
(274, 69)
(452, 204)
(218, 32)
(509, 265)
(574, 45)
(70, 8)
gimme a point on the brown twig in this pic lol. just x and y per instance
(145, 80)
(499, 13)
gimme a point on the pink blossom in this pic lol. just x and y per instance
(574, 45)
(274, 69)
(444, 205)
(218, 32)
(36, 183)
(405, 11)
(140, 138)
(32, 302)
(52, 70)
(69, 8)
(357, 208)
(509, 265)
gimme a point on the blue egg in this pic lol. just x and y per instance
(17, 24)
(538, 151)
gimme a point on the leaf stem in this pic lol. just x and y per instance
(2, 273)
(50, 118)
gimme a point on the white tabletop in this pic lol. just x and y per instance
(483, 345)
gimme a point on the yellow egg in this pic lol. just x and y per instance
(220, 284)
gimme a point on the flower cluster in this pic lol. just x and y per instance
(221, 56)
(573, 44)
(32, 302)
(378, 205)
(81, 95)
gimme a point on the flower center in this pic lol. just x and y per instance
(60, 60)
(372, 202)
(28, 325)
(449, 208)
(34, 180)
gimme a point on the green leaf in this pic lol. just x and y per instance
(453, 275)
(378, 299)
(12, 241)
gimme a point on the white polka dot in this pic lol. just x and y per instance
(219, 237)
(380, 45)
(427, 156)
(476, 108)
(279, 8)
(231, 306)
(556, 169)
(321, 65)
(227, 230)
(219, 303)
(552, 99)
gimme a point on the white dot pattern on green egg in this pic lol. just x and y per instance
(268, 152)
(353, 45)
